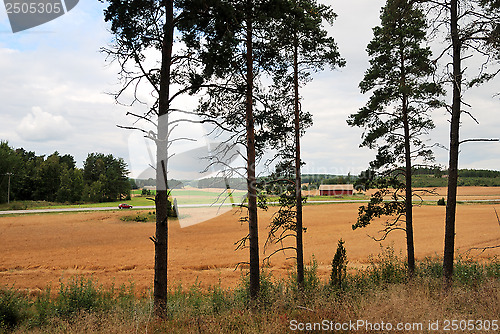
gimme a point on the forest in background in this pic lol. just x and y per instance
(56, 178)
(104, 178)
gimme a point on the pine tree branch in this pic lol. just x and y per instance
(479, 140)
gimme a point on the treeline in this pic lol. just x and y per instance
(438, 172)
(479, 173)
(435, 177)
(56, 178)
(315, 180)
(422, 177)
(223, 183)
(141, 183)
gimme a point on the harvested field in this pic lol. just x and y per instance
(37, 250)
(464, 193)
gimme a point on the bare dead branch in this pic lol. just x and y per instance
(241, 264)
(479, 140)
(132, 128)
(281, 249)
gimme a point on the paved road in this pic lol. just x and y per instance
(108, 208)
(10, 212)
(64, 210)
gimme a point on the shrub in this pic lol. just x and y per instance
(18, 206)
(389, 268)
(441, 201)
(11, 306)
(492, 268)
(339, 266)
(80, 294)
(140, 217)
(430, 267)
(172, 208)
(268, 292)
(468, 272)
(311, 279)
(44, 309)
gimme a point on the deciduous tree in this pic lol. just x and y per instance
(105, 177)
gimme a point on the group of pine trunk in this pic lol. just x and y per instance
(161, 238)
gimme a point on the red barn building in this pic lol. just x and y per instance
(336, 189)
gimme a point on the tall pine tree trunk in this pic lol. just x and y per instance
(161, 239)
(451, 204)
(253, 230)
(410, 246)
(298, 178)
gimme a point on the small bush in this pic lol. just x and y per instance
(492, 268)
(339, 266)
(172, 208)
(441, 201)
(18, 206)
(269, 291)
(468, 272)
(80, 294)
(140, 217)
(387, 269)
(430, 267)
(219, 299)
(311, 279)
(312, 282)
(11, 308)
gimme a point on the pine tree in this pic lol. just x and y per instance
(305, 47)
(472, 32)
(144, 29)
(232, 45)
(396, 115)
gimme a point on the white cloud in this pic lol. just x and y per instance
(42, 126)
(59, 68)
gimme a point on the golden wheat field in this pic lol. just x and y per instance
(38, 250)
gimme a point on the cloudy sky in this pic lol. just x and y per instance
(54, 82)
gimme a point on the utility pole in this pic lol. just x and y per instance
(8, 188)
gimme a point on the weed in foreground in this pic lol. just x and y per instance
(379, 293)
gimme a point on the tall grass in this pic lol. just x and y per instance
(381, 292)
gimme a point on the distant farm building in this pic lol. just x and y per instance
(336, 189)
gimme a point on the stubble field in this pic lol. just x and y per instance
(36, 251)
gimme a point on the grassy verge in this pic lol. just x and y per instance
(147, 217)
(378, 293)
(28, 205)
